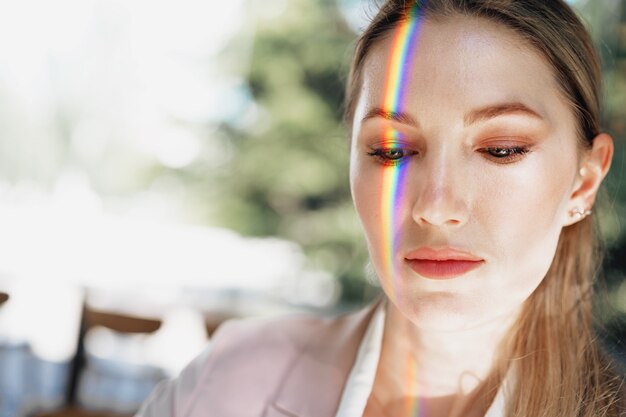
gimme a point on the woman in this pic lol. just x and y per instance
(476, 157)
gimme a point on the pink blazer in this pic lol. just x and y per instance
(290, 367)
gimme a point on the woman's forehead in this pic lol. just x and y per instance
(460, 63)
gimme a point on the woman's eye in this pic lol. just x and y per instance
(505, 154)
(390, 156)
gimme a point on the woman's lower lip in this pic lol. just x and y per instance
(442, 269)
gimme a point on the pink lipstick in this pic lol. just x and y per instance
(442, 263)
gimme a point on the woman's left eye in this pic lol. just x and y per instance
(505, 154)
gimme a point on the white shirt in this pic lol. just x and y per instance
(361, 379)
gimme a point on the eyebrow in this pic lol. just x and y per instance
(474, 116)
(493, 111)
(396, 116)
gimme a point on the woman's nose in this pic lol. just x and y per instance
(441, 198)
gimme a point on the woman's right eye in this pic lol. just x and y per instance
(390, 156)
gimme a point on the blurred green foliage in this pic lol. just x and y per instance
(607, 22)
(288, 175)
(289, 172)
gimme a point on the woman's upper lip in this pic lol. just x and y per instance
(442, 254)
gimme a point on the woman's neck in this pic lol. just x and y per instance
(437, 370)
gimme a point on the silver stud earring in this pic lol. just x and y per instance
(579, 212)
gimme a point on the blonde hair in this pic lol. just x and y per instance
(559, 368)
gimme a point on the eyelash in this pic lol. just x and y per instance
(382, 156)
(511, 154)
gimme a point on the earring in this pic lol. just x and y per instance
(579, 212)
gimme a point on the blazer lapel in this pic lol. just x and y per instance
(314, 386)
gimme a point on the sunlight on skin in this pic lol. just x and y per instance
(412, 405)
(392, 185)
(479, 164)
(398, 69)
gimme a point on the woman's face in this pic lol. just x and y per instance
(464, 193)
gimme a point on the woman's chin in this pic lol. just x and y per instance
(441, 311)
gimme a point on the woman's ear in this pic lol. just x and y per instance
(594, 166)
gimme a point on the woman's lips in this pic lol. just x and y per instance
(442, 263)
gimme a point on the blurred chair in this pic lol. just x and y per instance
(127, 355)
(115, 377)
(107, 381)
(39, 327)
(121, 357)
(121, 323)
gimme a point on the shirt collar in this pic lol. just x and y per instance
(361, 380)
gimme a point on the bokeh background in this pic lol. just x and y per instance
(168, 165)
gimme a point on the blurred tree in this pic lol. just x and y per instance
(288, 175)
(607, 22)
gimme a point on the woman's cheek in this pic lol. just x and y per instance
(523, 217)
(366, 193)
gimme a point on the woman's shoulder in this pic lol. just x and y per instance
(252, 333)
(293, 331)
(253, 359)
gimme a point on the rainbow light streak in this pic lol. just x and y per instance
(398, 73)
(412, 404)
